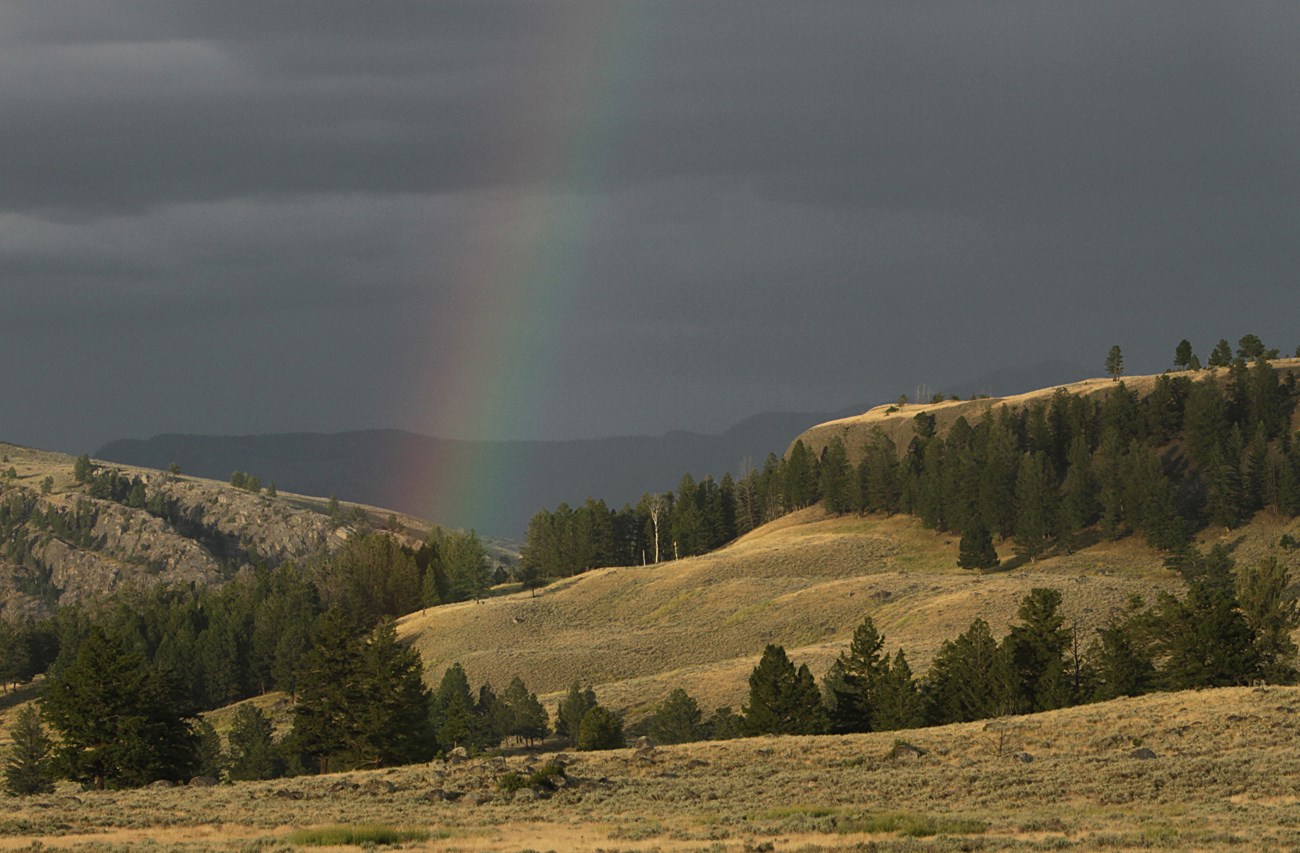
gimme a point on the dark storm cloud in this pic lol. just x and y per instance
(820, 203)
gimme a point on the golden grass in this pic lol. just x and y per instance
(1223, 778)
(805, 582)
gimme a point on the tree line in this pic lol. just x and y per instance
(1188, 455)
(1232, 628)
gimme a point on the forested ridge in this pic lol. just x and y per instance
(1199, 450)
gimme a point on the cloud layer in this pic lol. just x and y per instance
(247, 217)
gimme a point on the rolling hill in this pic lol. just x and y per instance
(805, 582)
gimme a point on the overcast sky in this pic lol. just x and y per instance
(549, 220)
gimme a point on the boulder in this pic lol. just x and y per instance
(1142, 753)
(1022, 757)
(202, 782)
(904, 751)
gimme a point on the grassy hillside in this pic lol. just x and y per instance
(1217, 774)
(805, 582)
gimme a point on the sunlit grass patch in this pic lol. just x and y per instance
(358, 833)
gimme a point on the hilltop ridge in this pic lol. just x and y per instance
(896, 418)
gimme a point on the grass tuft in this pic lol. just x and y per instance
(360, 833)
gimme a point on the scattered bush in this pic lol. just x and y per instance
(358, 834)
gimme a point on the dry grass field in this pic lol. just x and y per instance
(805, 582)
(1221, 771)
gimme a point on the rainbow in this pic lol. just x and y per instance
(523, 264)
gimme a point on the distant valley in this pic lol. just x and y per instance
(511, 479)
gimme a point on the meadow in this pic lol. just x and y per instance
(1205, 770)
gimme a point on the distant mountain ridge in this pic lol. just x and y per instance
(402, 470)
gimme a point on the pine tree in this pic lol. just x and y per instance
(1272, 616)
(1119, 664)
(835, 478)
(1183, 354)
(252, 749)
(976, 550)
(881, 488)
(1037, 648)
(782, 700)
(29, 768)
(572, 709)
(899, 703)
(851, 684)
(325, 723)
(1221, 355)
(528, 721)
(394, 721)
(1078, 507)
(1115, 363)
(678, 719)
(1204, 639)
(119, 721)
(997, 460)
(452, 710)
(972, 678)
(800, 478)
(600, 728)
(1035, 504)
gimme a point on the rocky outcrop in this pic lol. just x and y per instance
(61, 545)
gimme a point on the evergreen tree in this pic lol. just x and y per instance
(211, 761)
(1250, 347)
(492, 718)
(851, 684)
(800, 477)
(1078, 507)
(527, 716)
(1114, 363)
(452, 710)
(1204, 640)
(1183, 354)
(836, 476)
(880, 473)
(997, 459)
(1271, 615)
(976, 550)
(28, 767)
(325, 723)
(120, 722)
(83, 470)
(572, 709)
(1035, 505)
(1119, 664)
(252, 749)
(1221, 356)
(1037, 648)
(899, 703)
(782, 700)
(600, 729)
(394, 721)
(971, 678)
(465, 561)
(678, 719)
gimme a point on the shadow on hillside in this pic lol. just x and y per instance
(22, 693)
